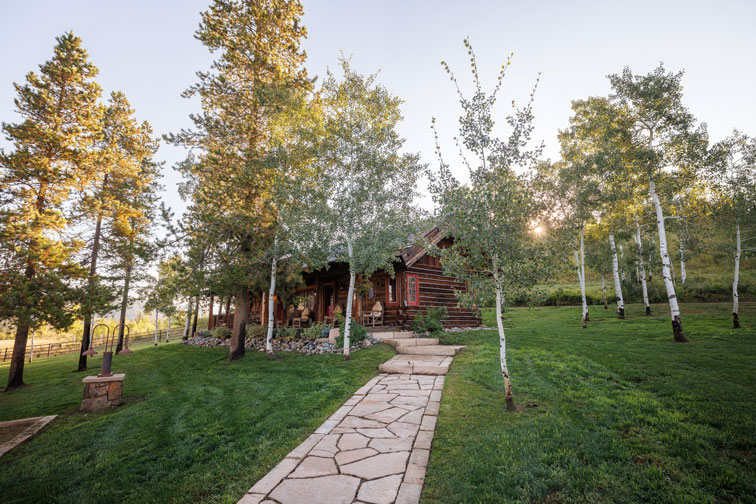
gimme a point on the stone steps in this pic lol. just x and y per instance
(444, 350)
(393, 334)
(436, 365)
(410, 342)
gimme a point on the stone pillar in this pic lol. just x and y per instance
(102, 392)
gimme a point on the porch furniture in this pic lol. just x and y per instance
(328, 319)
(374, 316)
(291, 315)
(333, 310)
(303, 320)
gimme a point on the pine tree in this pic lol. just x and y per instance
(52, 156)
(259, 63)
(129, 246)
(119, 154)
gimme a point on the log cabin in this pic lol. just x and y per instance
(417, 285)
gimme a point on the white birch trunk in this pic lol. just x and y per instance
(582, 276)
(350, 295)
(503, 350)
(617, 283)
(188, 318)
(683, 274)
(736, 277)
(642, 266)
(348, 315)
(622, 270)
(603, 291)
(271, 307)
(168, 330)
(674, 308)
(156, 327)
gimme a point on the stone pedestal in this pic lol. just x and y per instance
(102, 392)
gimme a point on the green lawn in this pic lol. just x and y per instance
(194, 427)
(614, 413)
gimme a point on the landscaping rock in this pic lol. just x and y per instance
(305, 346)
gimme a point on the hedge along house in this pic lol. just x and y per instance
(417, 285)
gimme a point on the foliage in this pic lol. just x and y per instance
(430, 321)
(315, 331)
(52, 156)
(493, 219)
(357, 331)
(255, 331)
(369, 182)
(288, 333)
(231, 179)
(221, 332)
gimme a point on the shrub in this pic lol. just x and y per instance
(222, 332)
(430, 321)
(357, 333)
(255, 331)
(315, 331)
(286, 333)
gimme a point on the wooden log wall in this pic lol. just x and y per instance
(439, 290)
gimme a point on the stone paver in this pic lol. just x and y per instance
(372, 450)
(15, 432)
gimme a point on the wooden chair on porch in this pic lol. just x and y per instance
(374, 316)
(303, 320)
(333, 310)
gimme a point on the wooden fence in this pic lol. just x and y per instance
(53, 349)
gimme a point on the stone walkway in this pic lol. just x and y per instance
(374, 449)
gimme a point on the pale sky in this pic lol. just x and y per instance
(147, 50)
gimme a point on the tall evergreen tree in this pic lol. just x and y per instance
(259, 61)
(52, 156)
(119, 154)
(130, 248)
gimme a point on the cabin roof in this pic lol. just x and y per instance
(413, 253)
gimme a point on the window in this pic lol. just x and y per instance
(413, 290)
(391, 297)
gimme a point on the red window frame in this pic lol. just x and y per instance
(396, 291)
(417, 290)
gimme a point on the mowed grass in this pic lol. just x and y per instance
(616, 412)
(194, 428)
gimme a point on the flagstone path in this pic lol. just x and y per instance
(374, 449)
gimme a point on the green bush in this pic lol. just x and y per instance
(286, 333)
(255, 331)
(356, 332)
(430, 321)
(222, 332)
(315, 331)
(569, 297)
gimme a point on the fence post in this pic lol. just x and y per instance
(5, 354)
